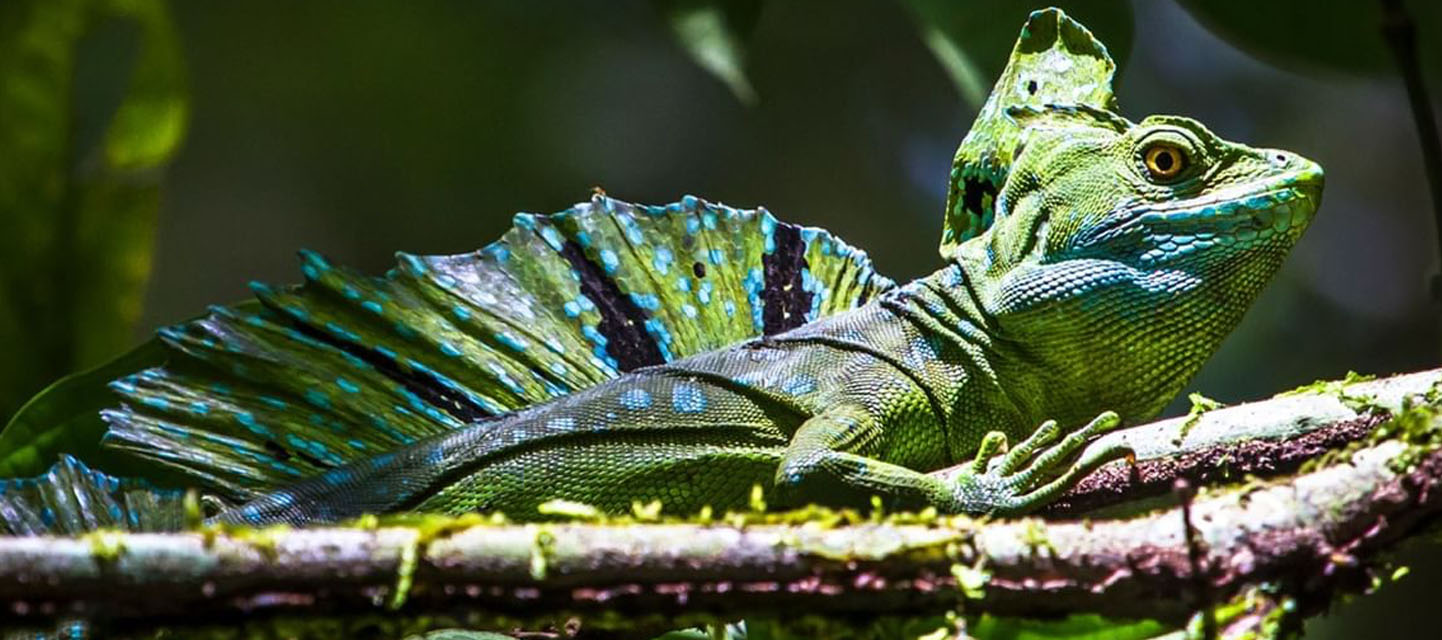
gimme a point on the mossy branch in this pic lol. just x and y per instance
(1307, 537)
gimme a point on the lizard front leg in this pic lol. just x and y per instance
(1032, 474)
(817, 467)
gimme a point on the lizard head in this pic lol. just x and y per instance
(1123, 253)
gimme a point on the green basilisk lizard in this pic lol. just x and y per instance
(616, 353)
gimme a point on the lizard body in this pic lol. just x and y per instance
(1093, 264)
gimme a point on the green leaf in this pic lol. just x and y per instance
(65, 418)
(972, 39)
(1310, 36)
(77, 215)
(713, 33)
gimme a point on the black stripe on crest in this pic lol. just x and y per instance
(622, 321)
(785, 302)
(420, 383)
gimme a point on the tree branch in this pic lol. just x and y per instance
(1308, 537)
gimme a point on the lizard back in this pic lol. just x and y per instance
(347, 366)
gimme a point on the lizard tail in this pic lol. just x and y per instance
(345, 366)
(72, 498)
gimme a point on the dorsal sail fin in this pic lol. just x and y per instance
(1057, 61)
(347, 366)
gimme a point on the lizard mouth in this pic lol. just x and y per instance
(1272, 212)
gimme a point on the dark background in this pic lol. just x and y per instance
(363, 129)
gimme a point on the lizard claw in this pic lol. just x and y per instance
(1006, 482)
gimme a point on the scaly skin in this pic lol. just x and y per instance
(1100, 288)
(614, 354)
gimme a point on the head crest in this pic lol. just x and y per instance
(1055, 61)
(1066, 115)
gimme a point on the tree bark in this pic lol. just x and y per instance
(1309, 537)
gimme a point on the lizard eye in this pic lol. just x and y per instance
(1164, 161)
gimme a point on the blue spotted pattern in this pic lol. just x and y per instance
(635, 399)
(688, 398)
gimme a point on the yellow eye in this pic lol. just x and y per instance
(1165, 161)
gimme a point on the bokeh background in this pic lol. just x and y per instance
(360, 129)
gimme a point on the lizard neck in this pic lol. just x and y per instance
(1073, 336)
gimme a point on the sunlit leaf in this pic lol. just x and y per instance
(714, 33)
(972, 39)
(77, 211)
(1309, 36)
(65, 418)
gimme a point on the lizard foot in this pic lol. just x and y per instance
(1026, 477)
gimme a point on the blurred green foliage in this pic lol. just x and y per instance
(713, 33)
(79, 180)
(1318, 36)
(967, 39)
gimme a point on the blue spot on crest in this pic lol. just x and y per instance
(415, 265)
(633, 232)
(450, 350)
(571, 308)
(609, 261)
(505, 379)
(499, 251)
(552, 238)
(514, 342)
(662, 260)
(649, 301)
(658, 330)
(371, 306)
(342, 332)
(347, 385)
(317, 398)
(595, 336)
(755, 281)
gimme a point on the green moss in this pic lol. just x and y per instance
(1328, 387)
(1200, 405)
(106, 545)
(405, 573)
(543, 549)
